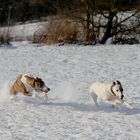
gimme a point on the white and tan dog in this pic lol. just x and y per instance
(25, 84)
(110, 93)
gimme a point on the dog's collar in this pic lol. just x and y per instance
(111, 89)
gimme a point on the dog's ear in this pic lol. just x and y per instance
(114, 83)
(37, 78)
(118, 82)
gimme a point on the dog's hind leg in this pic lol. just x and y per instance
(12, 97)
(13, 93)
(94, 97)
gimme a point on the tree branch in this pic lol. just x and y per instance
(126, 30)
(118, 24)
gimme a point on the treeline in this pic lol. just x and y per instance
(24, 10)
(77, 21)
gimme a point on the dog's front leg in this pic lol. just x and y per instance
(127, 105)
(27, 94)
(123, 102)
(116, 102)
(36, 95)
(46, 97)
(113, 104)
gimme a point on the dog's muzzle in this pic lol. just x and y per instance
(46, 89)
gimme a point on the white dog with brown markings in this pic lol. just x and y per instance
(110, 93)
(25, 84)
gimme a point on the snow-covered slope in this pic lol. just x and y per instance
(23, 31)
(70, 113)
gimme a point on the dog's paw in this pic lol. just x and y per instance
(130, 107)
(12, 98)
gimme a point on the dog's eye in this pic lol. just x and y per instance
(41, 84)
(117, 90)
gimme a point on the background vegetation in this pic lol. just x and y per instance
(94, 21)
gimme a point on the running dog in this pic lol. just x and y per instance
(25, 84)
(110, 93)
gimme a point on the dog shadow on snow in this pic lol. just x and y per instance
(92, 108)
(75, 106)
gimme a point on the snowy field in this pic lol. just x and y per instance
(70, 113)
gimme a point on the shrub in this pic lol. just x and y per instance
(60, 29)
(39, 36)
(125, 40)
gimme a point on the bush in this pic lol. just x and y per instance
(125, 40)
(60, 29)
(39, 36)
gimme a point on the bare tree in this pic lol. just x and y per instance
(118, 22)
(106, 18)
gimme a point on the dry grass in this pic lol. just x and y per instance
(60, 29)
(5, 36)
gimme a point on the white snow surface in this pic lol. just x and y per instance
(68, 71)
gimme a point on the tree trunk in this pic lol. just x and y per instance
(107, 33)
(87, 24)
